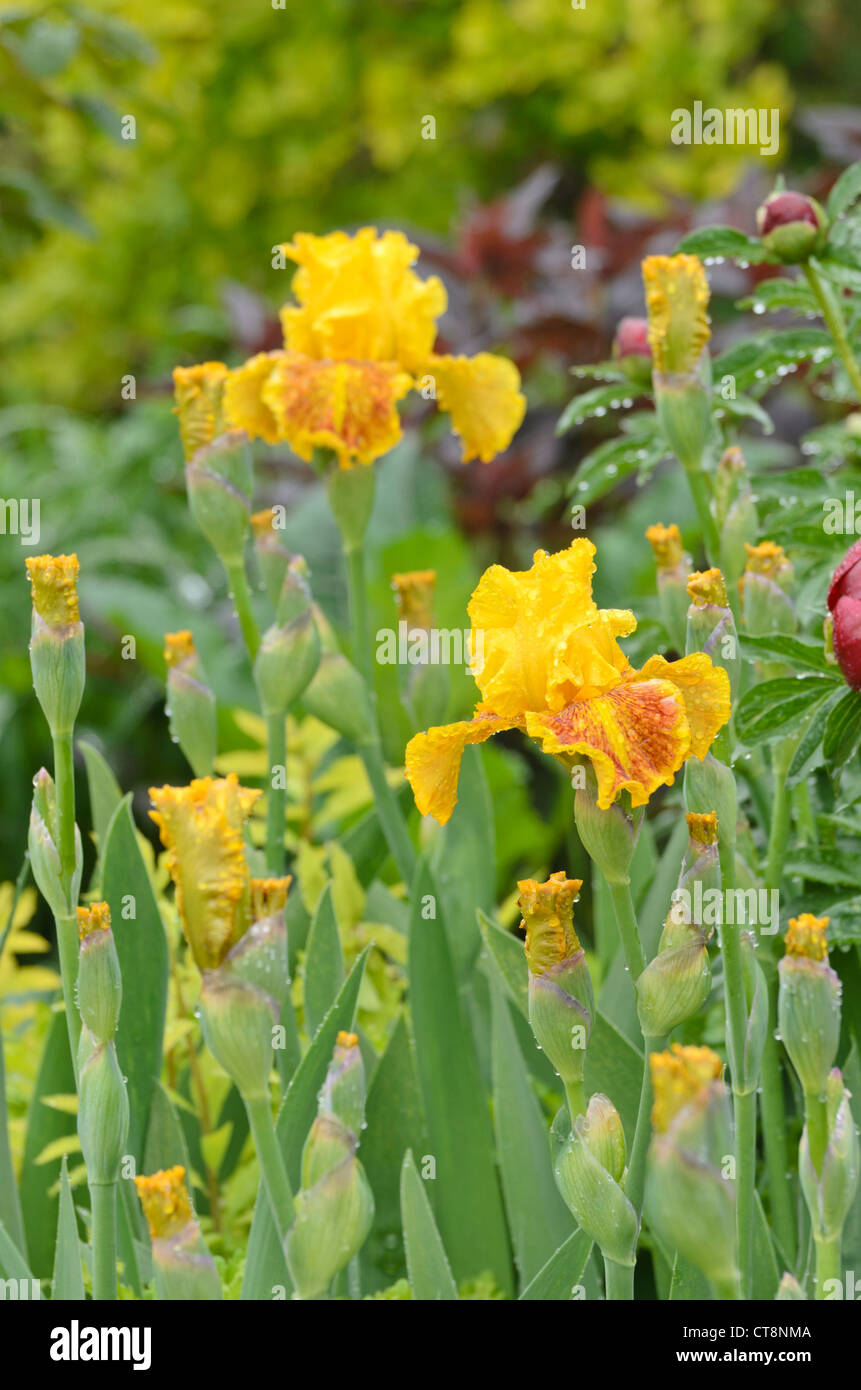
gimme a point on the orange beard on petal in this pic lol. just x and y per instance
(637, 737)
(349, 407)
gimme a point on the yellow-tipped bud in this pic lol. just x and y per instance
(165, 1202)
(703, 827)
(178, 647)
(347, 1040)
(677, 298)
(548, 917)
(414, 597)
(680, 1077)
(769, 559)
(53, 584)
(806, 936)
(666, 543)
(269, 896)
(96, 917)
(707, 587)
(199, 392)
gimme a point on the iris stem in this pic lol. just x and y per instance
(271, 1162)
(623, 906)
(743, 1087)
(354, 558)
(575, 1095)
(618, 1281)
(828, 1263)
(276, 796)
(241, 596)
(701, 491)
(833, 316)
(67, 945)
(103, 1202)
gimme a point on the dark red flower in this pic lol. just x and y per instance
(844, 601)
(792, 226)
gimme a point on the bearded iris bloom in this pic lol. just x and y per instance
(553, 667)
(360, 336)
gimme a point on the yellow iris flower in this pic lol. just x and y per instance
(552, 666)
(201, 828)
(361, 335)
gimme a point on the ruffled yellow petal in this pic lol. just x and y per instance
(680, 1077)
(807, 936)
(348, 407)
(548, 918)
(543, 641)
(636, 737)
(201, 828)
(198, 391)
(483, 397)
(433, 760)
(703, 687)
(54, 588)
(244, 406)
(358, 298)
(677, 299)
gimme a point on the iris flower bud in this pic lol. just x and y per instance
(286, 662)
(190, 703)
(589, 1168)
(808, 1002)
(711, 625)
(43, 848)
(792, 226)
(676, 983)
(830, 1193)
(100, 986)
(238, 1021)
(561, 1000)
(674, 568)
(220, 482)
(789, 1290)
(425, 682)
(710, 788)
(183, 1266)
(764, 588)
(335, 1207)
(735, 513)
(677, 296)
(57, 640)
(688, 1201)
(272, 555)
(844, 603)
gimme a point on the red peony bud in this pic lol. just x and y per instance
(844, 601)
(632, 339)
(792, 226)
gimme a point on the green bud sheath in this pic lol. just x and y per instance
(808, 1015)
(286, 662)
(595, 1197)
(184, 1268)
(220, 482)
(673, 986)
(711, 629)
(830, 1195)
(608, 837)
(58, 664)
(692, 1207)
(710, 786)
(337, 696)
(767, 608)
(100, 987)
(562, 1022)
(237, 1020)
(103, 1109)
(746, 1069)
(192, 718)
(789, 1290)
(683, 407)
(43, 847)
(739, 528)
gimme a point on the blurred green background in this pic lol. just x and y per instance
(152, 155)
